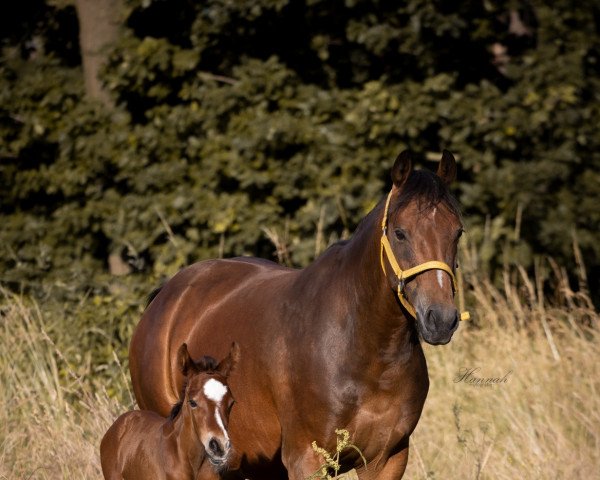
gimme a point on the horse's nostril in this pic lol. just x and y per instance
(437, 319)
(454, 322)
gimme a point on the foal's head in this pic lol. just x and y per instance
(206, 401)
(424, 225)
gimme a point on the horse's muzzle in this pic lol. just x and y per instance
(437, 323)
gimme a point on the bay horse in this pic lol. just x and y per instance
(334, 345)
(141, 444)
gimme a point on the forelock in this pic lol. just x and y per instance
(428, 190)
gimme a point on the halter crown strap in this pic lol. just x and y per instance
(404, 275)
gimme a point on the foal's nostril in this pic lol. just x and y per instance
(215, 448)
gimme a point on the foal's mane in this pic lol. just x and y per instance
(207, 365)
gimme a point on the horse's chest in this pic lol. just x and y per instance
(384, 420)
(376, 430)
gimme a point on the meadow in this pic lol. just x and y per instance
(541, 420)
(190, 140)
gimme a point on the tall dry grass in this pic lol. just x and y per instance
(52, 415)
(543, 423)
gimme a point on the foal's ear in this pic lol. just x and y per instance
(184, 360)
(228, 364)
(447, 168)
(402, 168)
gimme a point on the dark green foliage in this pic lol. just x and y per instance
(241, 122)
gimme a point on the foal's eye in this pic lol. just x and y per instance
(400, 235)
(193, 403)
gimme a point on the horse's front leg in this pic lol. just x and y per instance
(392, 469)
(300, 463)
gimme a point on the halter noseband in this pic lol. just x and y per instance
(404, 275)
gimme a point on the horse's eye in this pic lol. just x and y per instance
(400, 235)
(230, 406)
(193, 403)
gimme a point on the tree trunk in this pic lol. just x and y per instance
(99, 25)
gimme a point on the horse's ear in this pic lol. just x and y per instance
(228, 364)
(402, 168)
(184, 360)
(447, 168)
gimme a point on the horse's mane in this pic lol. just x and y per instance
(176, 409)
(205, 364)
(153, 295)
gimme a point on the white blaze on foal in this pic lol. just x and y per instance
(215, 391)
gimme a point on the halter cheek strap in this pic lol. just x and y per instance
(404, 275)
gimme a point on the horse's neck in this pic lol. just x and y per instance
(352, 277)
(181, 437)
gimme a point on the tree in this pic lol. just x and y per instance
(100, 22)
(234, 124)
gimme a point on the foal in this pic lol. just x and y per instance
(143, 445)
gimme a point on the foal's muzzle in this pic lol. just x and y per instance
(217, 452)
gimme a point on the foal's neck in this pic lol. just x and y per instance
(183, 439)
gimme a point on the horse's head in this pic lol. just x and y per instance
(207, 401)
(421, 228)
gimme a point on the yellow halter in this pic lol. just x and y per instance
(404, 275)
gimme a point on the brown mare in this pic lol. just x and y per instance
(142, 445)
(326, 347)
